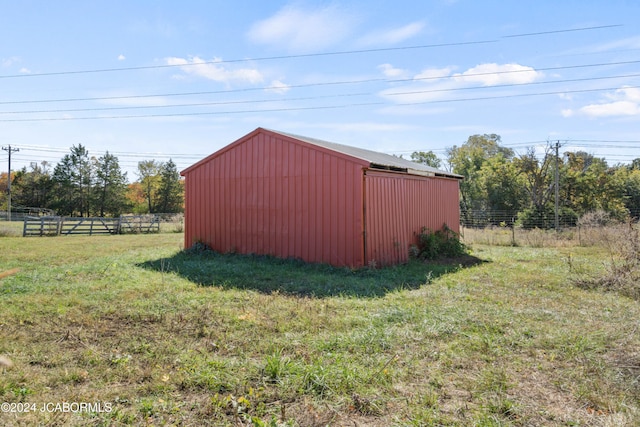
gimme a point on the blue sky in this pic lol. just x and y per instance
(158, 79)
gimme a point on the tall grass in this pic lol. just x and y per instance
(621, 267)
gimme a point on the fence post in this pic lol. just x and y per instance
(579, 235)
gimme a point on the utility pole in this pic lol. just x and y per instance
(9, 150)
(557, 223)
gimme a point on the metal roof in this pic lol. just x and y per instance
(377, 160)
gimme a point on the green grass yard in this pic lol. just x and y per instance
(167, 338)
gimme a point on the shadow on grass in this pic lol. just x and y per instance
(268, 274)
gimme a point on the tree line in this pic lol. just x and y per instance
(84, 185)
(500, 187)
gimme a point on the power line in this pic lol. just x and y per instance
(254, 101)
(346, 82)
(323, 107)
(562, 31)
(307, 55)
(266, 58)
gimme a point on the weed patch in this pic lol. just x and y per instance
(622, 270)
(443, 243)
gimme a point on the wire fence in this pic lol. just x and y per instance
(530, 219)
(502, 228)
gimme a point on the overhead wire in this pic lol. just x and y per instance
(361, 81)
(306, 55)
(342, 82)
(317, 107)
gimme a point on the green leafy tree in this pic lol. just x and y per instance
(589, 184)
(170, 190)
(149, 178)
(632, 192)
(110, 186)
(626, 184)
(428, 158)
(72, 179)
(4, 190)
(503, 187)
(32, 187)
(538, 176)
(468, 160)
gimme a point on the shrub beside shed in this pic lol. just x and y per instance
(275, 193)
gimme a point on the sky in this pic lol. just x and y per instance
(157, 80)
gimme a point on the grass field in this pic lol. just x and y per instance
(160, 337)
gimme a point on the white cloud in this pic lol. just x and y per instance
(631, 93)
(434, 73)
(390, 71)
(621, 44)
(214, 70)
(392, 36)
(278, 87)
(433, 84)
(623, 102)
(370, 127)
(8, 62)
(297, 29)
(496, 74)
(618, 108)
(24, 70)
(121, 57)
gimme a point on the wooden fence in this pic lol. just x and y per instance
(64, 226)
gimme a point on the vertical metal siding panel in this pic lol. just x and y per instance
(293, 202)
(401, 244)
(204, 208)
(272, 199)
(258, 201)
(231, 201)
(264, 197)
(248, 178)
(311, 225)
(280, 196)
(269, 195)
(187, 210)
(209, 197)
(219, 191)
(309, 203)
(343, 248)
(320, 202)
(370, 207)
(207, 181)
(298, 212)
(231, 167)
(349, 220)
(325, 237)
(224, 193)
(283, 250)
(333, 213)
(359, 214)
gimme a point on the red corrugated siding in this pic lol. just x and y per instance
(270, 194)
(397, 206)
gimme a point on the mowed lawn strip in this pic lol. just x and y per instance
(166, 337)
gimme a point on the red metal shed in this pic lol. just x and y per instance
(285, 195)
